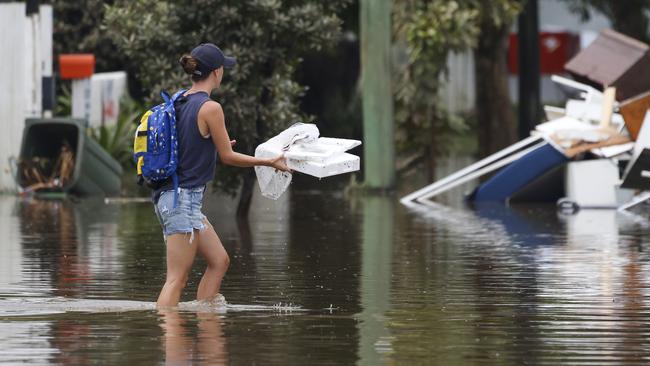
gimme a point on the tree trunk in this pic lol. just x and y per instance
(497, 127)
(245, 235)
(433, 152)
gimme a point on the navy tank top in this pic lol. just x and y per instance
(197, 155)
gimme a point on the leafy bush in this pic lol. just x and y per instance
(117, 139)
(63, 101)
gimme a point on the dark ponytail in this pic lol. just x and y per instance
(190, 66)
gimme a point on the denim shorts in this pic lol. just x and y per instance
(186, 216)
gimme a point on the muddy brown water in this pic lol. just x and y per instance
(322, 279)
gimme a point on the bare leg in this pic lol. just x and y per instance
(180, 255)
(212, 250)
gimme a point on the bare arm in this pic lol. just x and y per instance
(212, 113)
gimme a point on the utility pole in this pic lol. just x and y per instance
(378, 130)
(529, 70)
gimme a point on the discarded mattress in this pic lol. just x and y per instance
(520, 173)
(305, 152)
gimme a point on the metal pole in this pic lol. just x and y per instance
(529, 71)
(379, 150)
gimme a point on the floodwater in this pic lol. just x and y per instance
(323, 279)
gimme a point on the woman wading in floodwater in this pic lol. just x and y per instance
(201, 133)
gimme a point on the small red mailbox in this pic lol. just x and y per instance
(76, 66)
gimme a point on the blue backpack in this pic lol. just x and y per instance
(155, 147)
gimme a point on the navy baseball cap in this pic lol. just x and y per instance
(210, 58)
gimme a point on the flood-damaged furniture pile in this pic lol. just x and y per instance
(593, 152)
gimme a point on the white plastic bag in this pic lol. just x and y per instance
(272, 182)
(305, 153)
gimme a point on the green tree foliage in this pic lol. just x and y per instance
(77, 28)
(629, 17)
(425, 33)
(268, 37)
(117, 139)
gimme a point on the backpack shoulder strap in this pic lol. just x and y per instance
(165, 96)
(178, 94)
(169, 101)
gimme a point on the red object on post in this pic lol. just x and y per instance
(555, 49)
(76, 66)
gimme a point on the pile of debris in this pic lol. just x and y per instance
(44, 173)
(593, 153)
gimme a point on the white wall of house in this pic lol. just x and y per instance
(555, 13)
(458, 91)
(13, 90)
(26, 50)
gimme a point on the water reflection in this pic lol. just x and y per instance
(377, 245)
(26, 342)
(76, 245)
(208, 347)
(10, 262)
(377, 284)
(67, 336)
(557, 288)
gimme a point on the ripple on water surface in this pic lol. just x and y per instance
(375, 283)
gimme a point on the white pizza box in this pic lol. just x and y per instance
(338, 164)
(273, 183)
(320, 150)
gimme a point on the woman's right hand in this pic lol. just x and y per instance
(280, 163)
